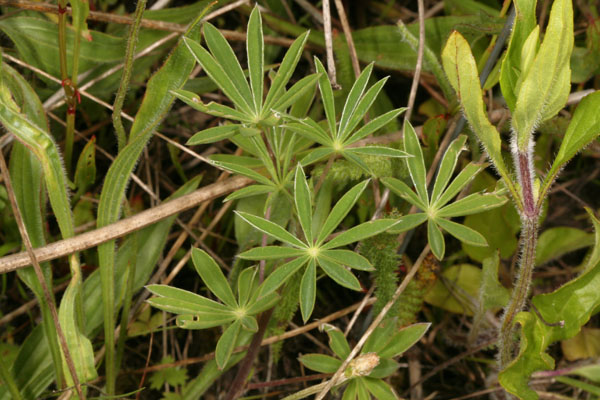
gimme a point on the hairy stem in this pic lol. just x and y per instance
(529, 230)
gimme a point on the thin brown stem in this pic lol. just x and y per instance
(348, 33)
(329, 44)
(40, 275)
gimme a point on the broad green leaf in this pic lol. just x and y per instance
(320, 363)
(472, 204)
(416, 164)
(339, 274)
(316, 155)
(461, 70)
(213, 277)
(286, 69)
(401, 189)
(240, 169)
(586, 344)
(353, 99)
(85, 172)
(447, 166)
(340, 210)
(249, 191)
(185, 296)
(548, 78)
(361, 390)
(362, 108)
(226, 344)
(457, 290)
(379, 389)
(380, 338)
(256, 57)
(212, 135)
(461, 232)
(219, 74)
(404, 340)
(385, 368)
(281, 275)
(492, 293)
(310, 131)
(555, 242)
(373, 125)
(271, 229)
(247, 282)
(271, 253)
(347, 258)
(303, 201)
(574, 303)
(583, 129)
(436, 239)
(327, 98)
(511, 64)
(337, 341)
(462, 179)
(176, 306)
(227, 60)
(379, 151)
(308, 290)
(360, 232)
(351, 390)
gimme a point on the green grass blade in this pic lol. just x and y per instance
(256, 57)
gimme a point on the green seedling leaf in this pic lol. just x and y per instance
(185, 297)
(407, 222)
(281, 275)
(374, 125)
(226, 344)
(385, 368)
(327, 98)
(360, 232)
(308, 290)
(247, 282)
(213, 277)
(249, 323)
(320, 363)
(379, 389)
(352, 101)
(472, 204)
(239, 95)
(351, 391)
(404, 340)
(416, 164)
(271, 253)
(548, 77)
(492, 294)
(462, 179)
(511, 64)
(249, 191)
(212, 108)
(447, 167)
(380, 151)
(263, 303)
(337, 341)
(555, 242)
(339, 274)
(401, 189)
(256, 57)
(436, 240)
(363, 107)
(583, 129)
(241, 170)
(461, 70)
(348, 258)
(215, 134)
(461, 232)
(286, 69)
(202, 320)
(303, 202)
(271, 229)
(225, 58)
(296, 92)
(340, 210)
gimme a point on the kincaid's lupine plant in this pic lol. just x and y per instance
(535, 81)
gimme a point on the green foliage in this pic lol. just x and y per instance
(172, 376)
